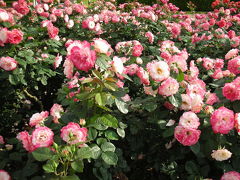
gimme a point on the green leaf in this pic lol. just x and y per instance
(72, 177)
(176, 100)
(42, 154)
(107, 146)
(150, 106)
(122, 106)
(236, 106)
(84, 153)
(102, 62)
(92, 133)
(101, 140)
(191, 168)
(111, 135)
(109, 120)
(168, 132)
(195, 148)
(110, 158)
(48, 168)
(100, 99)
(78, 165)
(13, 79)
(121, 132)
(96, 151)
(180, 76)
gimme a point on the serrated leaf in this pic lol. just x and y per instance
(100, 99)
(96, 151)
(42, 154)
(110, 158)
(122, 106)
(175, 100)
(107, 146)
(109, 120)
(102, 62)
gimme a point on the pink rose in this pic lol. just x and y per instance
(1, 140)
(150, 37)
(15, 36)
(137, 50)
(222, 120)
(211, 98)
(81, 55)
(73, 133)
(187, 136)
(231, 175)
(168, 87)
(55, 112)
(131, 69)
(42, 137)
(8, 63)
(237, 122)
(68, 68)
(143, 75)
(4, 175)
(231, 91)
(4, 16)
(26, 140)
(21, 7)
(189, 120)
(52, 31)
(234, 65)
(38, 118)
(57, 61)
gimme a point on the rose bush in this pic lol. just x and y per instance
(108, 91)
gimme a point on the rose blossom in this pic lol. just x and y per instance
(57, 61)
(8, 63)
(14, 36)
(52, 31)
(73, 134)
(186, 136)
(21, 7)
(26, 140)
(231, 54)
(222, 120)
(55, 112)
(143, 75)
(158, 70)
(168, 87)
(68, 68)
(1, 140)
(221, 154)
(131, 69)
(231, 175)
(80, 53)
(4, 16)
(237, 122)
(42, 137)
(4, 175)
(117, 65)
(3, 36)
(38, 118)
(234, 65)
(137, 50)
(189, 120)
(231, 91)
(102, 46)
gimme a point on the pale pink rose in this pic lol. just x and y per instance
(168, 87)
(137, 50)
(56, 111)
(57, 61)
(189, 120)
(143, 75)
(4, 16)
(3, 36)
(211, 98)
(8, 63)
(234, 65)
(179, 60)
(221, 154)
(73, 133)
(194, 71)
(150, 36)
(38, 118)
(208, 63)
(26, 140)
(102, 46)
(235, 41)
(231, 175)
(68, 68)
(48, 1)
(158, 70)
(126, 98)
(139, 60)
(149, 91)
(53, 17)
(195, 89)
(231, 91)
(42, 137)
(70, 24)
(187, 136)
(231, 54)
(131, 69)
(14, 36)
(1, 140)
(81, 55)
(4, 175)
(120, 84)
(186, 102)
(222, 120)
(117, 65)
(196, 103)
(219, 63)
